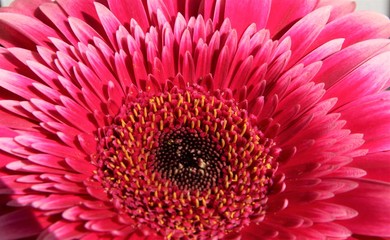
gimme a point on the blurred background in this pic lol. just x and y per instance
(382, 6)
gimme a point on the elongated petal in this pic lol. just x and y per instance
(255, 12)
(369, 199)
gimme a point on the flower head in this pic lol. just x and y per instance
(194, 120)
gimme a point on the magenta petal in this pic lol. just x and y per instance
(305, 31)
(54, 202)
(10, 224)
(369, 78)
(54, 12)
(350, 58)
(102, 225)
(29, 27)
(17, 120)
(333, 230)
(83, 31)
(370, 199)
(254, 11)
(83, 10)
(375, 164)
(73, 213)
(371, 116)
(56, 149)
(323, 51)
(16, 83)
(125, 11)
(109, 21)
(254, 231)
(281, 16)
(87, 142)
(97, 214)
(72, 113)
(62, 230)
(349, 27)
(80, 166)
(25, 200)
(47, 160)
(339, 7)
(28, 8)
(70, 188)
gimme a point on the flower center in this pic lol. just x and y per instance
(190, 159)
(186, 162)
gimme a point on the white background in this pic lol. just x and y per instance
(381, 6)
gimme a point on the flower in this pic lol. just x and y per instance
(194, 120)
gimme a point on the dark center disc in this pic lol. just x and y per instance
(190, 159)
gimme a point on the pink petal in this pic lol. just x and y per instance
(16, 83)
(323, 51)
(47, 55)
(25, 200)
(370, 199)
(254, 231)
(47, 75)
(8, 61)
(305, 31)
(7, 132)
(339, 7)
(82, 30)
(73, 113)
(157, 5)
(282, 16)
(285, 220)
(333, 230)
(254, 11)
(87, 142)
(47, 160)
(56, 149)
(109, 22)
(348, 172)
(30, 28)
(58, 202)
(62, 230)
(83, 10)
(45, 188)
(10, 224)
(73, 213)
(350, 58)
(10, 185)
(333, 211)
(27, 8)
(24, 55)
(56, 15)
(369, 78)
(370, 115)
(10, 146)
(350, 28)
(102, 225)
(97, 214)
(376, 165)
(96, 190)
(81, 166)
(70, 188)
(47, 92)
(125, 12)
(28, 167)
(14, 116)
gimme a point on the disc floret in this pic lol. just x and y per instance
(186, 162)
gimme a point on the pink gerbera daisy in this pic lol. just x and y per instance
(194, 120)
